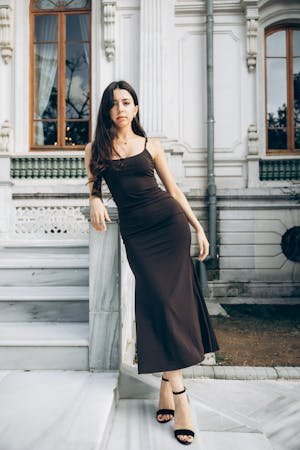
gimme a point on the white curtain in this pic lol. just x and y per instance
(46, 69)
(84, 25)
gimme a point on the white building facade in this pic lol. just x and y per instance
(56, 58)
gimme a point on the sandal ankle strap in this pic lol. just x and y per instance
(165, 379)
(180, 392)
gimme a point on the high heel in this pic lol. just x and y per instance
(184, 431)
(164, 410)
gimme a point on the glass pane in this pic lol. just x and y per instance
(296, 42)
(77, 133)
(78, 27)
(45, 88)
(297, 138)
(45, 28)
(68, 4)
(276, 44)
(45, 133)
(277, 139)
(77, 81)
(276, 89)
(296, 71)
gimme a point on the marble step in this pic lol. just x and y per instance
(40, 276)
(43, 293)
(61, 410)
(33, 259)
(44, 345)
(42, 266)
(44, 303)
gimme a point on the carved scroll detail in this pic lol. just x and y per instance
(5, 33)
(109, 18)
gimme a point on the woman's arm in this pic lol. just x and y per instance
(98, 211)
(169, 182)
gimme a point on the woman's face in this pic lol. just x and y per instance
(123, 109)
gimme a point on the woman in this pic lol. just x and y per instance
(173, 325)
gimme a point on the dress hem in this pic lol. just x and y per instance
(164, 369)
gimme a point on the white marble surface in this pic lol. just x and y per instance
(75, 410)
(104, 299)
(44, 345)
(44, 333)
(228, 415)
(55, 410)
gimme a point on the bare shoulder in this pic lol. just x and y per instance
(155, 147)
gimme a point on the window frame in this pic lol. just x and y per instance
(61, 120)
(291, 149)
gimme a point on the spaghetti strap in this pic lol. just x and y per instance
(146, 139)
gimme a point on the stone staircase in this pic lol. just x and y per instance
(44, 312)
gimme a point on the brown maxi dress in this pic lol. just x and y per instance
(173, 328)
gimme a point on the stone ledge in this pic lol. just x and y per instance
(243, 372)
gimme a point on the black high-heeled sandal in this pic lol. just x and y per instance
(164, 410)
(184, 431)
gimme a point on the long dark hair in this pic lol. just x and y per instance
(102, 147)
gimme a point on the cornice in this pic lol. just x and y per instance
(189, 7)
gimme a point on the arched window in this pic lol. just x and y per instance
(60, 74)
(282, 70)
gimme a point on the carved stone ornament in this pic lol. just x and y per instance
(51, 222)
(5, 137)
(251, 12)
(109, 18)
(5, 33)
(252, 31)
(252, 140)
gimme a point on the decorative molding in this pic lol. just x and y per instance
(5, 137)
(189, 7)
(51, 222)
(5, 32)
(252, 141)
(109, 18)
(31, 167)
(252, 16)
(252, 33)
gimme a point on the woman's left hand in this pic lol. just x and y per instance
(203, 245)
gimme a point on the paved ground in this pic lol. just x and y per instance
(69, 410)
(228, 415)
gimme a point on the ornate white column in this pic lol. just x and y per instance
(153, 29)
(6, 51)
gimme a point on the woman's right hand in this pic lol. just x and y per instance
(98, 214)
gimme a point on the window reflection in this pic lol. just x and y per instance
(77, 82)
(77, 133)
(276, 44)
(277, 103)
(296, 42)
(45, 131)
